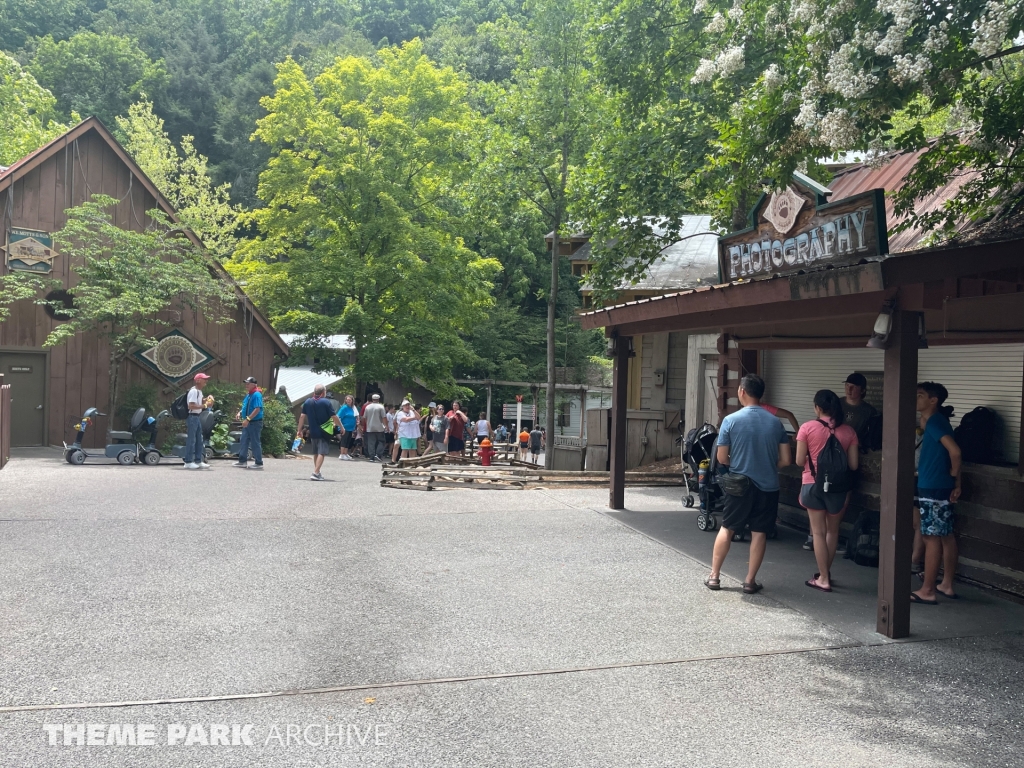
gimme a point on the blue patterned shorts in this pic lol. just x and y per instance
(936, 511)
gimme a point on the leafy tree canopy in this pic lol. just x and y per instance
(182, 177)
(28, 118)
(360, 233)
(96, 74)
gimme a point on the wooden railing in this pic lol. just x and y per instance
(5, 422)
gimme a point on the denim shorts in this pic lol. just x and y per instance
(937, 511)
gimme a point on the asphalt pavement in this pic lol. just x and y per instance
(341, 623)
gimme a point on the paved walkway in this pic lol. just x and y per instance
(517, 628)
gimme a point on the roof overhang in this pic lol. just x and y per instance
(835, 305)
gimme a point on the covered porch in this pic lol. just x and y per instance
(966, 295)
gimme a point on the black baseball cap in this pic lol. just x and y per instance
(857, 379)
(252, 380)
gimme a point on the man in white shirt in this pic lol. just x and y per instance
(194, 458)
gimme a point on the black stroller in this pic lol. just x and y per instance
(697, 447)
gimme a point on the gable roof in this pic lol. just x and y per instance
(9, 175)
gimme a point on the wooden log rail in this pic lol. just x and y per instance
(514, 475)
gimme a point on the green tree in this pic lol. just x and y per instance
(182, 176)
(716, 98)
(360, 233)
(545, 117)
(21, 20)
(28, 118)
(95, 74)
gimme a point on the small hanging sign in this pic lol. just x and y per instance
(29, 250)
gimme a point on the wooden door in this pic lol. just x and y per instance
(25, 372)
(709, 389)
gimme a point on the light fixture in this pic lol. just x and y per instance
(613, 343)
(922, 333)
(882, 328)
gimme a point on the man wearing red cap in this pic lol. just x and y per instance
(194, 458)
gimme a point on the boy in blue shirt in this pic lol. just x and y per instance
(938, 489)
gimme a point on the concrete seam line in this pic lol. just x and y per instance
(432, 681)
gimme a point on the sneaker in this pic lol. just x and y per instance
(256, 466)
(204, 465)
(341, 457)
(239, 464)
(809, 544)
(316, 476)
(192, 465)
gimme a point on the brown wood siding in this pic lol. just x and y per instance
(78, 370)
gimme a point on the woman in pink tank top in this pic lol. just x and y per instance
(824, 509)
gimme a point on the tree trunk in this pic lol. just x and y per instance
(114, 374)
(549, 416)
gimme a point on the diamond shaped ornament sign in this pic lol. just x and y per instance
(174, 357)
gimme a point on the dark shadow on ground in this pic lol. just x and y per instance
(851, 606)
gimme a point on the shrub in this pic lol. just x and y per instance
(278, 427)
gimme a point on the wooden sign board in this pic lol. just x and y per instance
(29, 250)
(793, 231)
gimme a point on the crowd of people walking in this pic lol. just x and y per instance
(383, 433)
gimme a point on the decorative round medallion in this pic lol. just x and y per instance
(782, 209)
(174, 356)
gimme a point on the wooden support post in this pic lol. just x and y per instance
(617, 446)
(899, 417)
(488, 402)
(1020, 458)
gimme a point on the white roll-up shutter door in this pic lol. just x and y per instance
(981, 374)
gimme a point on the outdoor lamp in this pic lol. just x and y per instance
(883, 326)
(613, 343)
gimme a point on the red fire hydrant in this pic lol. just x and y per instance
(486, 453)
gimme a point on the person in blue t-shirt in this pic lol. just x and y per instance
(251, 415)
(349, 415)
(318, 412)
(753, 444)
(938, 489)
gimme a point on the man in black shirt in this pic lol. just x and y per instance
(856, 412)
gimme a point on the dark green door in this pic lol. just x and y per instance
(26, 373)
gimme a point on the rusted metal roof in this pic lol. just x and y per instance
(891, 176)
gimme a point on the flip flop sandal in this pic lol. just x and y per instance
(915, 598)
(811, 583)
(947, 595)
(713, 584)
(830, 581)
(752, 589)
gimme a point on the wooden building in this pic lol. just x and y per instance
(52, 387)
(809, 279)
(660, 395)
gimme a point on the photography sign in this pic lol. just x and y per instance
(29, 250)
(793, 232)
